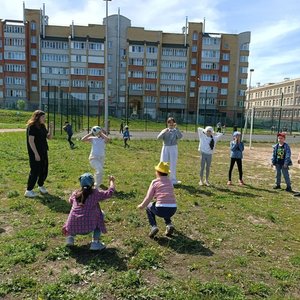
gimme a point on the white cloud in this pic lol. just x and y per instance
(272, 23)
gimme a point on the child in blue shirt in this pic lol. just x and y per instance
(126, 136)
(281, 160)
(236, 156)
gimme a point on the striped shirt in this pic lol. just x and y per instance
(86, 218)
(163, 191)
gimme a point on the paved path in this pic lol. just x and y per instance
(189, 135)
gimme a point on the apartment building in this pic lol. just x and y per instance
(193, 75)
(272, 101)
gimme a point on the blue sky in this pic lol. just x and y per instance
(274, 24)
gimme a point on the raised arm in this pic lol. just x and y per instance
(87, 137)
(162, 133)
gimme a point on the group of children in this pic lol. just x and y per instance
(86, 215)
(281, 158)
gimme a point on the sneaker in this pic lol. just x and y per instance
(207, 183)
(153, 232)
(229, 182)
(297, 194)
(30, 194)
(97, 246)
(289, 189)
(276, 187)
(200, 182)
(169, 230)
(176, 182)
(241, 182)
(42, 190)
(70, 240)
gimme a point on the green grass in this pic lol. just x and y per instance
(230, 242)
(11, 119)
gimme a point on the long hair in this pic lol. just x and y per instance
(35, 118)
(83, 194)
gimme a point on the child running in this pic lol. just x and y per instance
(86, 215)
(236, 156)
(126, 136)
(281, 160)
(97, 153)
(165, 206)
(68, 129)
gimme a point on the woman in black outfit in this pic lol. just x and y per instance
(37, 147)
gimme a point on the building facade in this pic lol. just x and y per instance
(275, 101)
(194, 75)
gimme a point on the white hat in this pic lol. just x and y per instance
(208, 128)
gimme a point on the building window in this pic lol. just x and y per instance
(33, 26)
(225, 68)
(136, 49)
(225, 56)
(244, 46)
(151, 49)
(223, 92)
(195, 36)
(224, 79)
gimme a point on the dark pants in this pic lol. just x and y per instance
(38, 171)
(70, 140)
(240, 168)
(125, 143)
(163, 212)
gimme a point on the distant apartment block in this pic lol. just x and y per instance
(272, 101)
(150, 72)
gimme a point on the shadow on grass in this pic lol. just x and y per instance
(251, 187)
(193, 190)
(124, 195)
(183, 244)
(55, 203)
(237, 193)
(2, 230)
(99, 260)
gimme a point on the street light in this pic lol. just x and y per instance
(198, 104)
(252, 110)
(106, 71)
(205, 108)
(167, 103)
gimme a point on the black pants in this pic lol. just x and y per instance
(38, 171)
(163, 212)
(240, 168)
(125, 143)
(70, 140)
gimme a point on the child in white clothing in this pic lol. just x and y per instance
(97, 154)
(207, 144)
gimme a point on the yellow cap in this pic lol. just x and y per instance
(163, 167)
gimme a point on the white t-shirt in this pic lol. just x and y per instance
(98, 147)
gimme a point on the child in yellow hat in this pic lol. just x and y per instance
(165, 206)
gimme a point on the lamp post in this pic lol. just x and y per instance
(252, 110)
(198, 103)
(197, 112)
(205, 108)
(106, 71)
(167, 103)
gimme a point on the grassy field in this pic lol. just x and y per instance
(17, 119)
(230, 242)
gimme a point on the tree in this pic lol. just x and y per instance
(21, 104)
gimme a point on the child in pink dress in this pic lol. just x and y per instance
(86, 215)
